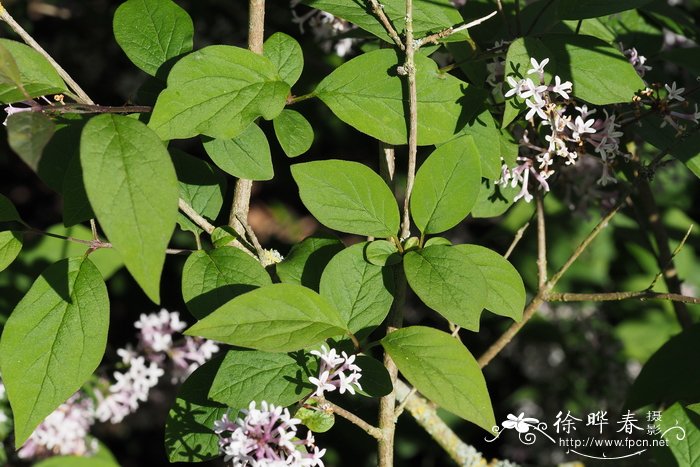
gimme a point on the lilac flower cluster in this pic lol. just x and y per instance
(266, 437)
(66, 430)
(156, 351)
(548, 107)
(332, 372)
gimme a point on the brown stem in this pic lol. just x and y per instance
(387, 404)
(617, 296)
(409, 69)
(378, 10)
(371, 430)
(195, 217)
(26, 37)
(541, 242)
(434, 38)
(244, 187)
(91, 109)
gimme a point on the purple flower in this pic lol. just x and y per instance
(332, 372)
(266, 437)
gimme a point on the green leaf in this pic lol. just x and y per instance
(151, 32)
(28, 133)
(437, 241)
(446, 186)
(214, 81)
(50, 250)
(375, 380)
(293, 132)
(37, 76)
(212, 278)
(306, 261)
(680, 427)
(250, 375)
(67, 311)
(448, 282)
(506, 291)
(382, 253)
(10, 247)
(443, 370)
(201, 187)
(577, 9)
(354, 199)
(493, 199)
(484, 132)
(315, 419)
(428, 15)
(9, 72)
(8, 212)
(669, 375)
(360, 291)
(76, 206)
(276, 318)
(189, 428)
(286, 54)
(132, 187)
(367, 94)
(245, 156)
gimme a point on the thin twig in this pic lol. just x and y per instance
(5, 16)
(195, 217)
(378, 11)
(652, 217)
(252, 237)
(90, 109)
(96, 244)
(518, 236)
(618, 296)
(371, 430)
(541, 242)
(675, 252)
(543, 292)
(409, 69)
(434, 38)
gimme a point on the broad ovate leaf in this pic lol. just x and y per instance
(359, 290)
(294, 132)
(65, 315)
(347, 196)
(443, 370)
(286, 54)
(307, 259)
(218, 91)
(10, 247)
(506, 291)
(133, 189)
(449, 282)
(36, 75)
(212, 278)
(368, 94)
(245, 156)
(252, 375)
(276, 318)
(447, 186)
(28, 133)
(151, 32)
